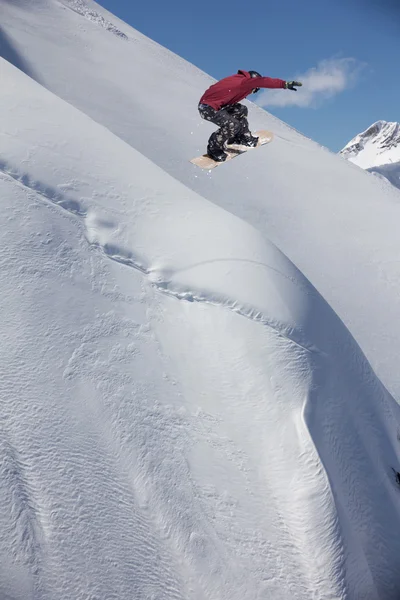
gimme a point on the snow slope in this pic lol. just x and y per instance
(332, 221)
(184, 415)
(377, 150)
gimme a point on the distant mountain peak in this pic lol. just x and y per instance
(377, 149)
(375, 141)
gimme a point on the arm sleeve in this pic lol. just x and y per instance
(267, 82)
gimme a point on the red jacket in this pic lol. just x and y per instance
(235, 88)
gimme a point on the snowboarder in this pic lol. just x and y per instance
(220, 105)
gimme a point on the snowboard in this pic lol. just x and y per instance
(233, 150)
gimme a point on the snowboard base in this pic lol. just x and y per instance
(233, 150)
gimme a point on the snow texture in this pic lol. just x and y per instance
(92, 15)
(184, 415)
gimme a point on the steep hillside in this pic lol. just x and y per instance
(184, 415)
(323, 213)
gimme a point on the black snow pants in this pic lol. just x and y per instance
(232, 122)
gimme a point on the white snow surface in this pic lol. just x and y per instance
(184, 415)
(377, 150)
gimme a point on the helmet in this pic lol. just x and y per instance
(252, 75)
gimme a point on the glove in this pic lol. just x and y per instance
(290, 85)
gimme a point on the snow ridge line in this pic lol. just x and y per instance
(57, 197)
(247, 311)
(82, 9)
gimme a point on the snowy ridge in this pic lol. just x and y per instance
(391, 172)
(97, 236)
(189, 420)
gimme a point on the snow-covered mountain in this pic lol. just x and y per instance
(199, 371)
(377, 150)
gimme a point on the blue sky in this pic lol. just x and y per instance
(345, 50)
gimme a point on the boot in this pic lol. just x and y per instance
(245, 140)
(217, 154)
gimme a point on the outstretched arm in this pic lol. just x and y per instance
(269, 82)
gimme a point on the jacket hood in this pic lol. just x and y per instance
(245, 73)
